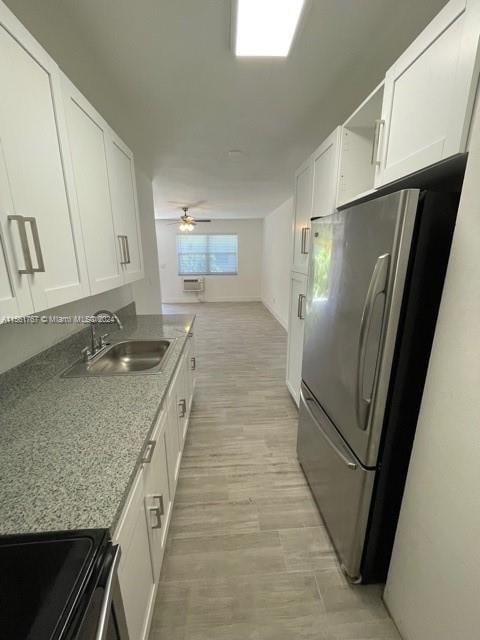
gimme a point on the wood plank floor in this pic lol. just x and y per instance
(247, 555)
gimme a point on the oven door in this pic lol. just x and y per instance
(105, 616)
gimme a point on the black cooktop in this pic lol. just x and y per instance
(41, 578)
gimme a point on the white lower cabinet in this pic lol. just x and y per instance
(174, 447)
(135, 571)
(143, 526)
(298, 289)
(157, 493)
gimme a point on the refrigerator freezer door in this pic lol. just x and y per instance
(342, 487)
(359, 259)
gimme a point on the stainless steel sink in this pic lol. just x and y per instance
(124, 358)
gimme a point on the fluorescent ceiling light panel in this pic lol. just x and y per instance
(265, 28)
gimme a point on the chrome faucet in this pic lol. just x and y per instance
(99, 344)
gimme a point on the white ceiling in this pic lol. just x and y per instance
(185, 100)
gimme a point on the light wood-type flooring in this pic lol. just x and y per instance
(247, 556)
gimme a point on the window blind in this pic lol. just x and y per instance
(207, 254)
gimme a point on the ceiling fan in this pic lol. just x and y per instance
(187, 222)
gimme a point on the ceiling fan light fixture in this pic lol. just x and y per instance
(266, 28)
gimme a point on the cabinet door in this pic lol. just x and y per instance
(298, 288)
(87, 141)
(302, 215)
(325, 175)
(174, 449)
(157, 495)
(33, 134)
(125, 208)
(429, 94)
(135, 569)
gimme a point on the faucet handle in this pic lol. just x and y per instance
(86, 354)
(103, 339)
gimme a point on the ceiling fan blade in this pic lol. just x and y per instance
(202, 220)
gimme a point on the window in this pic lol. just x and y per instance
(207, 254)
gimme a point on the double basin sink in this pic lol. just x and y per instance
(123, 358)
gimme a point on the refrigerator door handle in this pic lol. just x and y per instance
(347, 461)
(378, 284)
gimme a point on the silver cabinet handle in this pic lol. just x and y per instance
(183, 407)
(127, 247)
(29, 268)
(123, 251)
(300, 314)
(36, 244)
(20, 220)
(149, 449)
(304, 248)
(347, 461)
(378, 285)
(160, 504)
(158, 516)
(376, 142)
(105, 611)
(193, 360)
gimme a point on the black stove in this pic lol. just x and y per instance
(52, 586)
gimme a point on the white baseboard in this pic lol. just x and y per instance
(194, 300)
(275, 315)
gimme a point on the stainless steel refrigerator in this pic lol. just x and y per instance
(375, 279)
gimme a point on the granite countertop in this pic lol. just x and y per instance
(70, 447)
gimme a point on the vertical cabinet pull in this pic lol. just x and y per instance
(194, 363)
(127, 248)
(376, 142)
(304, 247)
(36, 243)
(183, 407)
(158, 512)
(22, 230)
(158, 517)
(300, 313)
(149, 449)
(124, 249)
(121, 240)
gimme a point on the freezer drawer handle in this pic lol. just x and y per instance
(349, 463)
(377, 286)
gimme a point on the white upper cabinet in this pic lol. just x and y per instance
(88, 138)
(302, 215)
(429, 94)
(359, 155)
(125, 208)
(325, 172)
(39, 221)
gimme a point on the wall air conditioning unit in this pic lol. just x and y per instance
(194, 285)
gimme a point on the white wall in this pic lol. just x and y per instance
(277, 252)
(20, 342)
(147, 291)
(243, 287)
(432, 587)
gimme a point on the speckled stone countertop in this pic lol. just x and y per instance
(70, 447)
